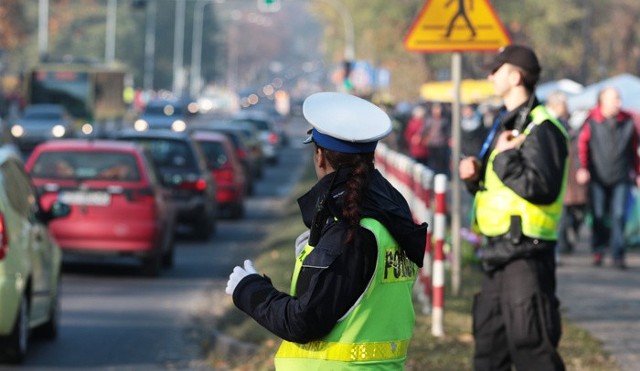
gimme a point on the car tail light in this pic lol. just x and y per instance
(225, 174)
(194, 185)
(273, 138)
(242, 154)
(142, 195)
(4, 238)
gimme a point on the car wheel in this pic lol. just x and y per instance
(49, 329)
(152, 264)
(14, 346)
(204, 228)
(169, 254)
(237, 210)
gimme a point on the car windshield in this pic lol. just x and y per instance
(215, 154)
(169, 153)
(98, 165)
(258, 124)
(42, 115)
(167, 109)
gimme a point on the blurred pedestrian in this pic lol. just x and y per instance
(473, 129)
(438, 134)
(518, 181)
(574, 208)
(351, 291)
(609, 159)
(416, 136)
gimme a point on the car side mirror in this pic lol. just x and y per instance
(58, 210)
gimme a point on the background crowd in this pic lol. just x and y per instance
(602, 208)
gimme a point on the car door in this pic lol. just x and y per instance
(23, 199)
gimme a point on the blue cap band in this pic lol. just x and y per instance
(329, 142)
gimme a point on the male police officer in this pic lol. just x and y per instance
(518, 179)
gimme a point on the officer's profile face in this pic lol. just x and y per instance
(504, 78)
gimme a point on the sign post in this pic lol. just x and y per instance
(456, 27)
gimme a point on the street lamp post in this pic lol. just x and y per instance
(110, 41)
(43, 29)
(347, 22)
(196, 45)
(178, 48)
(150, 44)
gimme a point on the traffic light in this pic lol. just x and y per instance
(347, 65)
(269, 6)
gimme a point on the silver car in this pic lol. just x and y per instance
(39, 123)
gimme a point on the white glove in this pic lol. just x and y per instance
(238, 274)
(301, 241)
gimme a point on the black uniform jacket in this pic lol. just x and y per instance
(534, 172)
(333, 276)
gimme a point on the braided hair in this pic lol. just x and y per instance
(361, 165)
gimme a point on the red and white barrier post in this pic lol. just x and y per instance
(421, 208)
(439, 228)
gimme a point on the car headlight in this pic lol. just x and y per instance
(193, 107)
(17, 131)
(58, 131)
(87, 128)
(141, 125)
(179, 126)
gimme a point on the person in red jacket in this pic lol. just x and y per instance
(415, 135)
(608, 153)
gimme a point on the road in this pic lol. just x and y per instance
(113, 318)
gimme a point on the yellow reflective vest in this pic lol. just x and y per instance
(375, 333)
(495, 203)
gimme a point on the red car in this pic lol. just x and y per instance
(117, 204)
(226, 169)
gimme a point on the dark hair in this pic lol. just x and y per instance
(361, 165)
(529, 79)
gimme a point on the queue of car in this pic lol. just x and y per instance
(126, 195)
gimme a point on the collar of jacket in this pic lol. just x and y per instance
(597, 116)
(512, 118)
(308, 201)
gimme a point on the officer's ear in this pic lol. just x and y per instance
(322, 159)
(318, 157)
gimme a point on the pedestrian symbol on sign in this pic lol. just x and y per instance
(462, 12)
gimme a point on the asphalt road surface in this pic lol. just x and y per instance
(113, 318)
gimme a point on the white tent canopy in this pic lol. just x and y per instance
(627, 84)
(569, 87)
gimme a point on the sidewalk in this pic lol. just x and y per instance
(604, 301)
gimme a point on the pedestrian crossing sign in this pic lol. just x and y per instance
(456, 25)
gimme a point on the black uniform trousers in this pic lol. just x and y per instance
(516, 317)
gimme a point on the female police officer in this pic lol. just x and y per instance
(350, 304)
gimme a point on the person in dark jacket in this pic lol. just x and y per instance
(609, 159)
(351, 290)
(574, 209)
(518, 185)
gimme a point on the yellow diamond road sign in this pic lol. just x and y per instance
(456, 25)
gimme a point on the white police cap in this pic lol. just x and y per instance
(344, 122)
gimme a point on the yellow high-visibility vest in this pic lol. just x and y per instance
(375, 333)
(496, 203)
